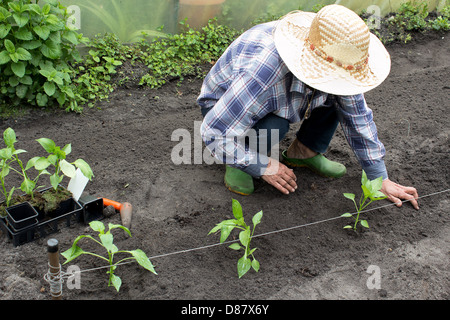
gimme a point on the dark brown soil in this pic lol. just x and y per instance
(127, 141)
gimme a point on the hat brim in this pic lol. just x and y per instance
(290, 37)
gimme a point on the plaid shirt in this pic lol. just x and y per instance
(250, 81)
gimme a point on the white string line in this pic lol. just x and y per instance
(55, 279)
(262, 234)
(339, 217)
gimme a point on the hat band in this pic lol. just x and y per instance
(330, 59)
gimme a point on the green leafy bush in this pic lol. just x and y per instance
(93, 74)
(167, 57)
(36, 48)
(178, 55)
(440, 24)
(411, 16)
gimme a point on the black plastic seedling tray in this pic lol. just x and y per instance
(47, 226)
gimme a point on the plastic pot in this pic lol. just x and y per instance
(21, 216)
(17, 237)
(66, 206)
(40, 224)
(92, 208)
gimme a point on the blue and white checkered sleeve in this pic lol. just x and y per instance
(227, 125)
(361, 132)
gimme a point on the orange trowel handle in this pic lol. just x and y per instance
(115, 204)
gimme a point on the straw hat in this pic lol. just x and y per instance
(332, 51)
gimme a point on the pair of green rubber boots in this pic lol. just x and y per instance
(240, 182)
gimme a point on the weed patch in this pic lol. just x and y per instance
(412, 17)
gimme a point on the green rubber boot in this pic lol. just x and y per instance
(238, 181)
(319, 164)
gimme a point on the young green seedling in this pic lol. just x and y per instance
(7, 156)
(245, 236)
(371, 192)
(10, 161)
(106, 241)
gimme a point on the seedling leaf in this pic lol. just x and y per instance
(72, 253)
(27, 186)
(143, 260)
(244, 264)
(215, 229)
(378, 195)
(224, 233)
(350, 196)
(67, 149)
(84, 167)
(114, 226)
(364, 223)
(364, 178)
(347, 215)
(67, 168)
(366, 191)
(10, 137)
(237, 209)
(255, 265)
(376, 184)
(244, 237)
(32, 163)
(48, 144)
(235, 246)
(107, 241)
(75, 250)
(97, 226)
(257, 218)
(55, 180)
(116, 281)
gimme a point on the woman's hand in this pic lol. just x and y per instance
(280, 176)
(396, 193)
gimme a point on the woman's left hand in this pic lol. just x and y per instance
(396, 193)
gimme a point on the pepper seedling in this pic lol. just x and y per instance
(10, 161)
(57, 158)
(371, 192)
(106, 241)
(245, 236)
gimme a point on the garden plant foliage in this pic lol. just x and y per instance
(36, 49)
(106, 241)
(40, 64)
(248, 260)
(412, 17)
